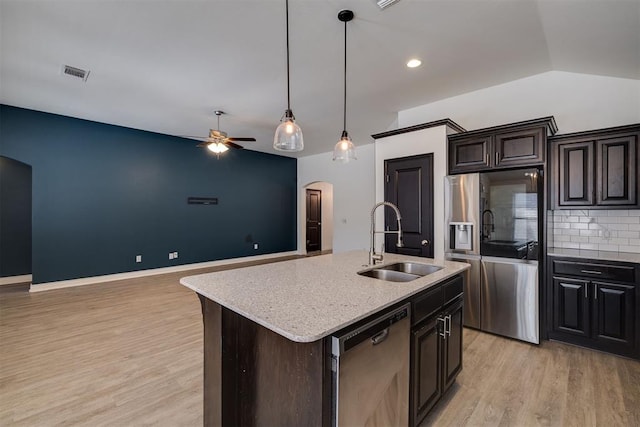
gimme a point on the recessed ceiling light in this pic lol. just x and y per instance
(413, 63)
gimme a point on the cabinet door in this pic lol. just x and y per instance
(574, 168)
(452, 351)
(520, 148)
(614, 316)
(471, 154)
(426, 387)
(571, 307)
(617, 171)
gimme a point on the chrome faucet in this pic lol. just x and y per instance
(375, 258)
(489, 227)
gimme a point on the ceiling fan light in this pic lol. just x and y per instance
(288, 135)
(344, 151)
(217, 147)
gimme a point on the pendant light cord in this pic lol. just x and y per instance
(288, 91)
(344, 109)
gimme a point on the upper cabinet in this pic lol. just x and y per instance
(596, 169)
(513, 145)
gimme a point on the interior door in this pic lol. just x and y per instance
(314, 217)
(409, 185)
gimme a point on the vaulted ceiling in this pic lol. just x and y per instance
(165, 66)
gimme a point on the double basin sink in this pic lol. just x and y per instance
(400, 271)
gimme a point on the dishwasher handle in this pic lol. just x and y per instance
(375, 340)
(374, 332)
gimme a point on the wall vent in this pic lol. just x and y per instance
(382, 4)
(75, 72)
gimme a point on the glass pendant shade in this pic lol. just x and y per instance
(288, 135)
(344, 151)
(217, 147)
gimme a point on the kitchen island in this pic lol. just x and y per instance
(267, 332)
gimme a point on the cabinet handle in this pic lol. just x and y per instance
(488, 161)
(443, 334)
(591, 271)
(447, 325)
(595, 291)
(586, 290)
(497, 160)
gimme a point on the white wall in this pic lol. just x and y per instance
(577, 101)
(430, 140)
(353, 194)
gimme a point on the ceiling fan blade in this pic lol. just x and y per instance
(232, 145)
(203, 144)
(241, 139)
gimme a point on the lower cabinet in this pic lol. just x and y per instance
(592, 312)
(436, 349)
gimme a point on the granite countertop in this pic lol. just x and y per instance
(307, 299)
(603, 255)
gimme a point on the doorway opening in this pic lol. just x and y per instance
(316, 218)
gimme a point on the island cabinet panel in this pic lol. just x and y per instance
(596, 169)
(436, 345)
(256, 377)
(595, 304)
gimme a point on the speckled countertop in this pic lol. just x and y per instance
(603, 255)
(309, 298)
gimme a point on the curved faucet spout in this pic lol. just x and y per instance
(373, 257)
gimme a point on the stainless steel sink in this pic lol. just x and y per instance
(400, 271)
(413, 268)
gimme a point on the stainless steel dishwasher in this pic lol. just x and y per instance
(370, 366)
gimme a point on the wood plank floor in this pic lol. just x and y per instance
(129, 353)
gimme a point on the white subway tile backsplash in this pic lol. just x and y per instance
(579, 239)
(605, 230)
(579, 226)
(617, 213)
(589, 246)
(610, 248)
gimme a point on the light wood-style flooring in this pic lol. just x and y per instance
(129, 353)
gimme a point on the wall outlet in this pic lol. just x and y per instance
(255, 246)
(175, 255)
(138, 258)
(170, 255)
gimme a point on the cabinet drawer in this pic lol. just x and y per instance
(426, 304)
(618, 273)
(452, 289)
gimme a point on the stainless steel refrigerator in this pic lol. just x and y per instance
(493, 222)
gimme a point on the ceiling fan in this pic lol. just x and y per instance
(218, 141)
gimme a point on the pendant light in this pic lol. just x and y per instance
(288, 135)
(344, 150)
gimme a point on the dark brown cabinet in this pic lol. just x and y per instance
(514, 145)
(594, 304)
(436, 355)
(595, 169)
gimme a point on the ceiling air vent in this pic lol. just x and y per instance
(382, 4)
(75, 72)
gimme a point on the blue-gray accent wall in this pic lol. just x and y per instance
(103, 194)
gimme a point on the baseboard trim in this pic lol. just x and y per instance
(151, 272)
(14, 280)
